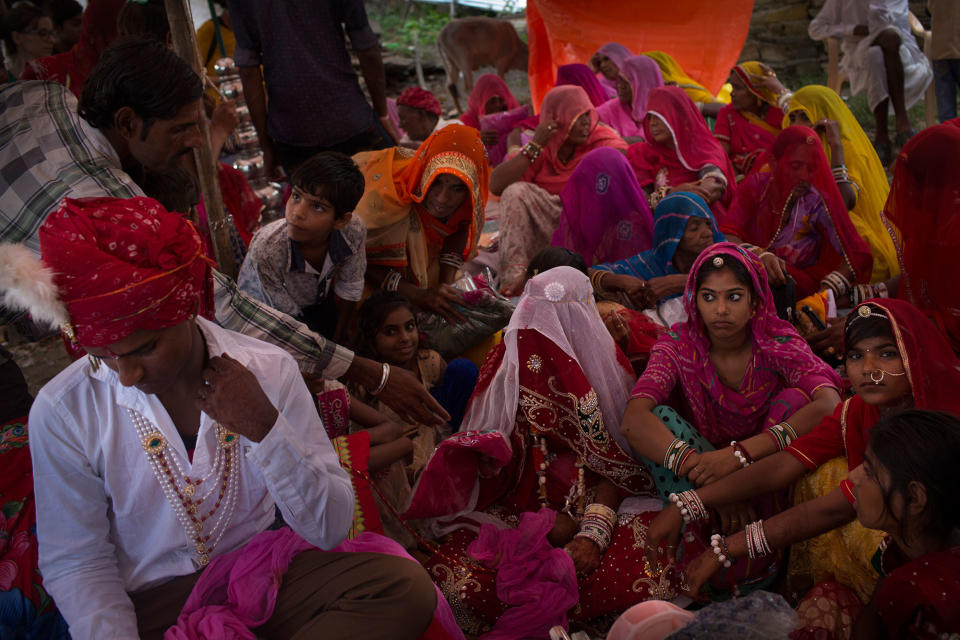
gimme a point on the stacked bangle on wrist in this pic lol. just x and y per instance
(451, 259)
(596, 279)
(392, 281)
(741, 454)
(690, 505)
(597, 524)
(840, 173)
(757, 545)
(383, 380)
(836, 282)
(863, 292)
(782, 434)
(783, 100)
(531, 150)
(677, 452)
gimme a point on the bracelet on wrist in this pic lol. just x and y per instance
(385, 376)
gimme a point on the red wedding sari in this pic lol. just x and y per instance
(694, 147)
(924, 204)
(808, 226)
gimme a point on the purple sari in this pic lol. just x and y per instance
(605, 212)
(580, 75)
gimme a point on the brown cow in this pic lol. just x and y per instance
(470, 43)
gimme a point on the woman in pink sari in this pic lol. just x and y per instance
(731, 373)
(532, 486)
(681, 154)
(531, 181)
(580, 75)
(750, 123)
(605, 212)
(607, 62)
(638, 76)
(494, 112)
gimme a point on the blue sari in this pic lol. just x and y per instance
(669, 222)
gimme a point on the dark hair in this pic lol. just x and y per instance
(922, 446)
(731, 264)
(373, 312)
(147, 19)
(142, 74)
(857, 328)
(176, 188)
(19, 19)
(331, 176)
(556, 257)
(63, 10)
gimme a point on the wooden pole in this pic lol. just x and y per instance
(185, 44)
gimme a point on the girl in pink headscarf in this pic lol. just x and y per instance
(531, 181)
(639, 75)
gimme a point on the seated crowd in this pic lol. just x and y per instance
(651, 360)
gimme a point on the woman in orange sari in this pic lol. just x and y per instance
(750, 123)
(531, 181)
(424, 210)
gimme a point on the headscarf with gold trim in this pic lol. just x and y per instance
(401, 234)
(124, 264)
(865, 169)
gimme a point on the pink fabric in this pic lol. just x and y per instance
(488, 86)
(650, 620)
(644, 76)
(238, 591)
(535, 579)
(503, 123)
(605, 212)
(617, 54)
(782, 363)
(580, 75)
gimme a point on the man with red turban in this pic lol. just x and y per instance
(160, 459)
(420, 115)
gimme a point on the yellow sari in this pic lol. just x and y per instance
(400, 233)
(864, 167)
(673, 73)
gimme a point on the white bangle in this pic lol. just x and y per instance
(383, 380)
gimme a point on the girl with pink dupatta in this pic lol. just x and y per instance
(606, 62)
(530, 182)
(730, 373)
(681, 154)
(639, 75)
(546, 512)
(605, 212)
(494, 112)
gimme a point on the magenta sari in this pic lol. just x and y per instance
(580, 75)
(644, 75)
(605, 212)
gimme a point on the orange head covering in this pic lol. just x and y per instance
(122, 265)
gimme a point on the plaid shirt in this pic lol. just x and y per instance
(47, 153)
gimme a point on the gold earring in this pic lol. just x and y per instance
(94, 362)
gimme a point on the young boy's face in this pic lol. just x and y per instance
(311, 219)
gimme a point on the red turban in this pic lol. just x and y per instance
(122, 265)
(420, 99)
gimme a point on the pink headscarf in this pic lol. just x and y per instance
(605, 212)
(617, 54)
(580, 75)
(644, 76)
(488, 86)
(565, 105)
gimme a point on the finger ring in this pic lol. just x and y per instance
(831, 350)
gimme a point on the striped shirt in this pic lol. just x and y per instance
(47, 153)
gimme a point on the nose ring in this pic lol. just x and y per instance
(876, 380)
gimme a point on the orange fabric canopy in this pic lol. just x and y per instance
(704, 37)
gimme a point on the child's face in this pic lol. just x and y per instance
(398, 337)
(725, 305)
(871, 482)
(445, 196)
(311, 219)
(880, 358)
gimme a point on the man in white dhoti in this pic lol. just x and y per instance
(881, 57)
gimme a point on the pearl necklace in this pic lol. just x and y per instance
(574, 503)
(186, 495)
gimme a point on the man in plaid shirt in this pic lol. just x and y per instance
(140, 110)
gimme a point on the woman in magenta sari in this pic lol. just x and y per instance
(540, 471)
(494, 112)
(793, 208)
(605, 212)
(731, 372)
(638, 76)
(750, 123)
(580, 75)
(531, 181)
(680, 153)
(607, 62)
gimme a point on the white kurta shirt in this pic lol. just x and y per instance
(104, 525)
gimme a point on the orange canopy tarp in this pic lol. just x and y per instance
(705, 38)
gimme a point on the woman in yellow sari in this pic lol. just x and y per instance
(815, 106)
(424, 211)
(673, 73)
